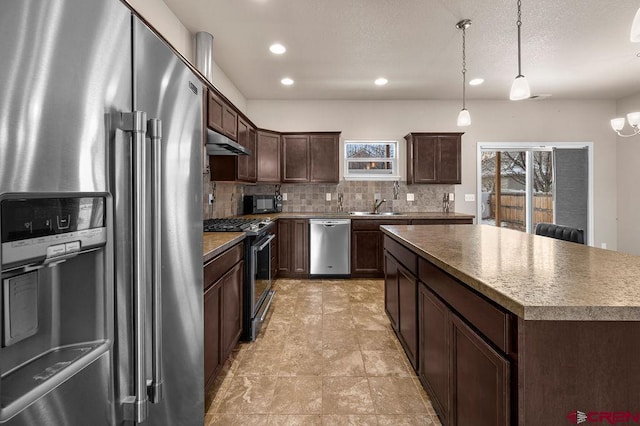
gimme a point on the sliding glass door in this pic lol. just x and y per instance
(521, 185)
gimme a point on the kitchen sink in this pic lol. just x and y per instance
(376, 214)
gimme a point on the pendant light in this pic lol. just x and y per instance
(520, 88)
(464, 119)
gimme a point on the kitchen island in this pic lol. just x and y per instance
(509, 328)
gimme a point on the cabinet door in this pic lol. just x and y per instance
(295, 158)
(268, 157)
(408, 313)
(448, 164)
(481, 380)
(231, 309)
(212, 358)
(243, 160)
(323, 158)
(366, 251)
(251, 159)
(391, 290)
(424, 159)
(215, 108)
(434, 368)
(274, 253)
(300, 249)
(230, 122)
(284, 245)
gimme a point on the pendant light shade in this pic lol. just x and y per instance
(635, 28)
(520, 87)
(464, 118)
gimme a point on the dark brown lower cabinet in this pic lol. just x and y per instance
(481, 379)
(408, 313)
(434, 325)
(293, 248)
(222, 309)
(391, 290)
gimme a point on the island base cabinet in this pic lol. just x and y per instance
(212, 359)
(391, 290)
(434, 325)
(481, 380)
(408, 314)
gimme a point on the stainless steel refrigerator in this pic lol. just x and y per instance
(100, 220)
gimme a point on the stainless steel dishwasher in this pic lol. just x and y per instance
(329, 247)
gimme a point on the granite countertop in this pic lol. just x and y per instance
(334, 215)
(215, 243)
(535, 277)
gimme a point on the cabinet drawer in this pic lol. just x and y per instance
(407, 258)
(219, 265)
(488, 318)
(374, 224)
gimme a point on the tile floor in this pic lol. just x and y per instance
(326, 356)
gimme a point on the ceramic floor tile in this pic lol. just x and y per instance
(338, 321)
(408, 420)
(346, 395)
(385, 363)
(248, 395)
(396, 395)
(342, 363)
(350, 420)
(326, 355)
(294, 420)
(300, 361)
(260, 363)
(346, 340)
(376, 340)
(297, 395)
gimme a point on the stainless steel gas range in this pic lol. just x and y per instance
(257, 292)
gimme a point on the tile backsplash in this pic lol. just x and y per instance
(312, 198)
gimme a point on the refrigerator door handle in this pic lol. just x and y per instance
(154, 386)
(136, 406)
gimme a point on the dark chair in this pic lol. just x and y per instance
(560, 232)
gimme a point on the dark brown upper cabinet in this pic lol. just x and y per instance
(221, 116)
(434, 158)
(240, 168)
(268, 156)
(310, 157)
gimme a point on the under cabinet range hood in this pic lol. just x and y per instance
(218, 144)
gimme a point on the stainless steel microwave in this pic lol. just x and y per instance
(262, 204)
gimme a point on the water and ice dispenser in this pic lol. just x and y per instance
(56, 296)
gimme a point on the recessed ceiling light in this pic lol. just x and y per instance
(277, 48)
(286, 81)
(381, 81)
(476, 81)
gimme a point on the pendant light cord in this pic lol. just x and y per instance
(464, 67)
(519, 24)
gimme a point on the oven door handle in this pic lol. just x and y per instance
(267, 241)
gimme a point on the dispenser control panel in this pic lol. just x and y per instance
(42, 229)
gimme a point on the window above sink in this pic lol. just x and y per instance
(371, 160)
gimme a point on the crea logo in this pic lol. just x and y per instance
(607, 417)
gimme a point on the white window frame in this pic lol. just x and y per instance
(395, 171)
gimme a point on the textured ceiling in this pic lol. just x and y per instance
(571, 49)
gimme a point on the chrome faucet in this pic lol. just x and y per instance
(376, 205)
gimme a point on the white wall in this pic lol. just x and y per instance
(492, 121)
(628, 171)
(158, 14)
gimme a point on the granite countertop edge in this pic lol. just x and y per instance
(527, 312)
(215, 243)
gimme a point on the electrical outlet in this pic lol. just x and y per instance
(451, 196)
(410, 197)
(328, 196)
(284, 196)
(210, 199)
(603, 245)
(377, 196)
(469, 197)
